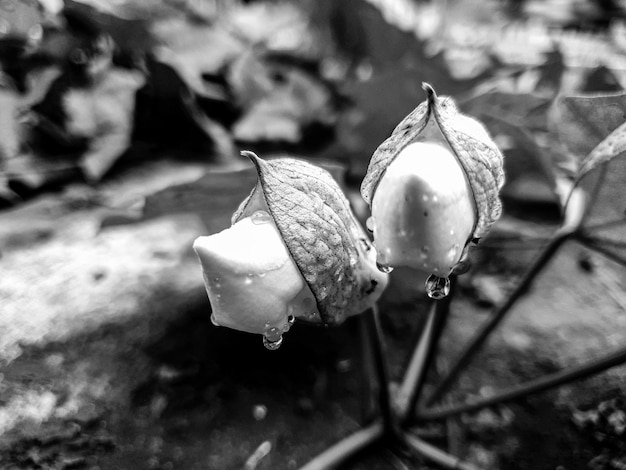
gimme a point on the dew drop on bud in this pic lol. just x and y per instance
(291, 320)
(214, 320)
(383, 268)
(369, 224)
(273, 334)
(260, 217)
(272, 345)
(437, 287)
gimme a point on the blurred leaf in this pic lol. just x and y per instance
(528, 167)
(213, 197)
(528, 110)
(582, 122)
(295, 100)
(611, 147)
(601, 80)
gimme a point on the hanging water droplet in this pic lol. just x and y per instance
(214, 320)
(370, 224)
(272, 345)
(260, 217)
(273, 334)
(291, 320)
(383, 268)
(437, 287)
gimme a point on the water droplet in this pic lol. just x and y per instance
(214, 320)
(383, 268)
(216, 280)
(272, 345)
(259, 412)
(273, 334)
(451, 232)
(435, 198)
(425, 198)
(370, 224)
(291, 320)
(262, 274)
(437, 287)
(260, 217)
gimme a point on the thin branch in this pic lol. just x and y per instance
(416, 370)
(540, 384)
(425, 349)
(346, 448)
(603, 251)
(601, 241)
(605, 225)
(479, 338)
(428, 451)
(372, 318)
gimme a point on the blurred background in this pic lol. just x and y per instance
(121, 123)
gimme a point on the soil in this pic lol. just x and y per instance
(108, 359)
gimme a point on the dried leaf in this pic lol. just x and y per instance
(404, 133)
(476, 152)
(320, 232)
(480, 158)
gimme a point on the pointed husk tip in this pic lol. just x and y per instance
(430, 92)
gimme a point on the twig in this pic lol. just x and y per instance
(603, 251)
(259, 454)
(606, 224)
(369, 388)
(483, 333)
(533, 386)
(415, 375)
(423, 449)
(380, 363)
(346, 448)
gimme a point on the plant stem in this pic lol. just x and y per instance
(346, 448)
(432, 453)
(368, 387)
(423, 354)
(589, 243)
(377, 342)
(605, 225)
(533, 386)
(485, 330)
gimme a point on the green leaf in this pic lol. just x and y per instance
(321, 233)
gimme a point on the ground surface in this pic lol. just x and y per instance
(109, 359)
